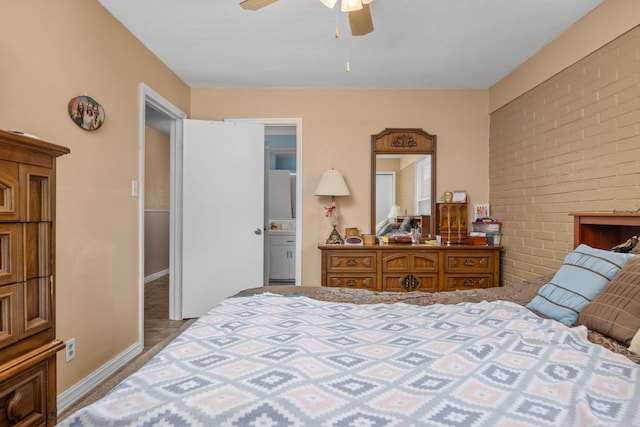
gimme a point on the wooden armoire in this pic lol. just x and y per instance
(28, 343)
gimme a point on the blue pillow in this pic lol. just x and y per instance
(584, 273)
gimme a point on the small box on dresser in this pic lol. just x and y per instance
(28, 343)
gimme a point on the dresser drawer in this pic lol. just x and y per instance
(37, 249)
(468, 262)
(403, 282)
(10, 248)
(454, 282)
(351, 281)
(23, 398)
(409, 262)
(8, 314)
(282, 240)
(351, 262)
(9, 191)
(35, 302)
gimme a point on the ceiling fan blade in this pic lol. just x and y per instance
(255, 4)
(361, 21)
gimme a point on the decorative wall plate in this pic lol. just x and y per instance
(86, 112)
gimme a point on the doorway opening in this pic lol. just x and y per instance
(280, 204)
(283, 242)
(385, 194)
(159, 114)
(160, 157)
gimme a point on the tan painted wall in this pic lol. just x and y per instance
(51, 52)
(406, 194)
(608, 21)
(336, 131)
(571, 144)
(156, 171)
(156, 243)
(156, 201)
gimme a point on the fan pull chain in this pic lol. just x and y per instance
(337, 35)
(348, 66)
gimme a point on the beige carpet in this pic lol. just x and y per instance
(116, 378)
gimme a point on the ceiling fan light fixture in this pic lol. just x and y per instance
(351, 5)
(255, 4)
(329, 3)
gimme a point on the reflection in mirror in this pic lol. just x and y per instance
(403, 181)
(403, 177)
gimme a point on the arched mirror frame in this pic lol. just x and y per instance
(403, 141)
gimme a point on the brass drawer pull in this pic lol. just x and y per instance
(351, 282)
(15, 406)
(469, 262)
(352, 262)
(410, 283)
(468, 282)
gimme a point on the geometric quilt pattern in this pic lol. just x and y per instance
(270, 360)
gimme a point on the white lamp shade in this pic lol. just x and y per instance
(332, 184)
(394, 212)
(329, 3)
(351, 5)
(347, 5)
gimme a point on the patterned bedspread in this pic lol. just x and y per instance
(270, 360)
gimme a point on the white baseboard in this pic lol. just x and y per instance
(78, 390)
(154, 276)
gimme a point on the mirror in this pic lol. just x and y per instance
(403, 174)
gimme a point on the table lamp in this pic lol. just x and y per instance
(332, 184)
(394, 213)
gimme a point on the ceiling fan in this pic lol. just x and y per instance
(359, 13)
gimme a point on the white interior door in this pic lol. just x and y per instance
(223, 212)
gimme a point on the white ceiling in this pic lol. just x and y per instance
(444, 44)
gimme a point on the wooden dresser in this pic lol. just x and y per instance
(28, 343)
(399, 268)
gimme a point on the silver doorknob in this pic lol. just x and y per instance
(258, 231)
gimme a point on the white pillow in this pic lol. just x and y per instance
(635, 343)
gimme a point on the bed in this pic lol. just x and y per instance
(309, 356)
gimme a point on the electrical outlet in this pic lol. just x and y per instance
(71, 349)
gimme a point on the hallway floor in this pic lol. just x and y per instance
(157, 325)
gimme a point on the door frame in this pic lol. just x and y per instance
(392, 175)
(151, 98)
(297, 123)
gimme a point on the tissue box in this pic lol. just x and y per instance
(487, 227)
(476, 240)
